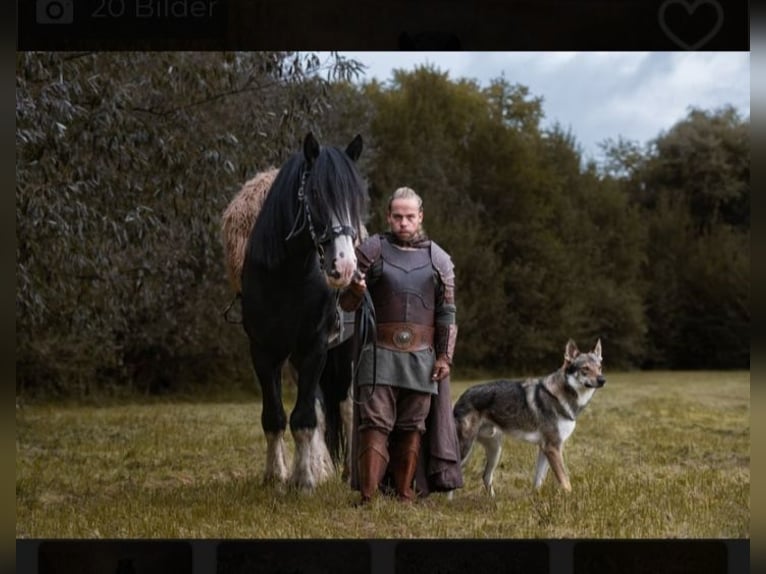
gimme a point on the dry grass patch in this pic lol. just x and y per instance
(655, 455)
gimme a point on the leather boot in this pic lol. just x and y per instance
(404, 461)
(372, 461)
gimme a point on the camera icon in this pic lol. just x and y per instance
(55, 11)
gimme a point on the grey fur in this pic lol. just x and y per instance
(538, 410)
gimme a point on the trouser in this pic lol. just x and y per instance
(392, 421)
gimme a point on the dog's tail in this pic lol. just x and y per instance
(470, 405)
(462, 406)
(477, 398)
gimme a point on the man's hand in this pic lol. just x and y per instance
(351, 296)
(441, 369)
(357, 285)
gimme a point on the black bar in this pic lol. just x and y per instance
(383, 25)
(559, 556)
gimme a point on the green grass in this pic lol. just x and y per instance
(655, 454)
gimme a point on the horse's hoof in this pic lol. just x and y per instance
(276, 482)
(323, 476)
(302, 488)
(304, 484)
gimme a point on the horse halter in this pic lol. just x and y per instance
(330, 233)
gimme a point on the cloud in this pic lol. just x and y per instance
(598, 95)
(667, 89)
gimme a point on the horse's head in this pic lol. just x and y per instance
(336, 199)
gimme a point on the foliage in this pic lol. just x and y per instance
(125, 163)
(693, 187)
(704, 163)
(529, 232)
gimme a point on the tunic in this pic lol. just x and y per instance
(406, 289)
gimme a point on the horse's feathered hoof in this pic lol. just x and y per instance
(306, 485)
(274, 480)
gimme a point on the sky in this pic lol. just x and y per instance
(596, 95)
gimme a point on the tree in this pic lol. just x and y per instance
(125, 163)
(704, 162)
(524, 223)
(693, 185)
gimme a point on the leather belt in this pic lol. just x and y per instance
(405, 336)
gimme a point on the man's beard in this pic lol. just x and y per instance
(414, 239)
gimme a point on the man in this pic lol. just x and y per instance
(411, 282)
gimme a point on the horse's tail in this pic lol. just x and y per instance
(334, 384)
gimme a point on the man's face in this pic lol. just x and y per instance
(404, 218)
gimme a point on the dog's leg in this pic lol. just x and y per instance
(553, 453)
(493, 447)
(468, 448)
(542, 469)
(467, 428)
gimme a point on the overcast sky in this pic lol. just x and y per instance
(597, 95)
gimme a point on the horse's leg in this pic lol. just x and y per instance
(335, 384)
(273, 416)
(343, 392)
(312, 463)
(321, 459)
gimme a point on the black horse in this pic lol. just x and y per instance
(300, 253)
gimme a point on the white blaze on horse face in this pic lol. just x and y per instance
(343, 263)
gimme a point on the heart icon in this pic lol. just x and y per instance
(683, 16)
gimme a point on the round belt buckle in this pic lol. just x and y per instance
(403, 339)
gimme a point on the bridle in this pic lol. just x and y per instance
(366, 319)
(329, 234)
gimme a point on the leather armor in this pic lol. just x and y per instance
(404, 295)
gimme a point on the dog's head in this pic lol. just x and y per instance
(584, 369)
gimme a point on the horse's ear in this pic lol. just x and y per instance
(354, 149)
(310, 148)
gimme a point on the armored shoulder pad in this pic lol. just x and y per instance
(367, 252)
(442, 262)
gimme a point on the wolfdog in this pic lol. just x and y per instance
(538, 410)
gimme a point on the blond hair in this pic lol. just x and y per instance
(405, 193)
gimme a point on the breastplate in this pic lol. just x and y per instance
(405, 292)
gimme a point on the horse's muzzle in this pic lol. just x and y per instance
(341, 272)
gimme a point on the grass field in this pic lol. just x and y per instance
(655, 455)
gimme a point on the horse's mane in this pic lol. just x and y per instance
(238, 220)
(333, 186)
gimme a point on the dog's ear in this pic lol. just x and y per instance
(570, 351)
(597, 349)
